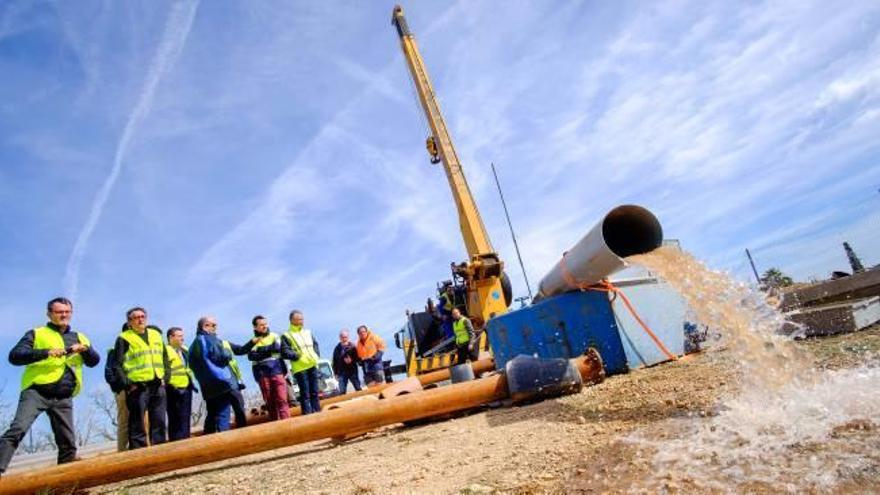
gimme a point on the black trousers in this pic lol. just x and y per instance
(179, 412)
(30, 405)
(464, 353)
(147, 399)
(238, 408)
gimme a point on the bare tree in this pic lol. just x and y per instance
(105, 403)
(45, 441)
(87, 426)
(5, 409)
(36, 441)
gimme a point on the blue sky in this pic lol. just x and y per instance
(237, 158)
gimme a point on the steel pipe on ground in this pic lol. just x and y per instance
(235, 443)
(480, 366)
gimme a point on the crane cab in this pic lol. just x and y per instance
(427, 343)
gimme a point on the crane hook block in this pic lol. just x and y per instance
(431, 145)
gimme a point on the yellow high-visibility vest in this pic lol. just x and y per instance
(233, 364)
(266, 341)
(461, 333)
(180, 376)
(51, 369)
(301, 341)
(143, 361)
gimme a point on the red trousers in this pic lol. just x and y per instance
(274, 390)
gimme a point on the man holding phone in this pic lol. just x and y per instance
(53, 356)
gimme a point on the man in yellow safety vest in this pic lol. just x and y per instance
(180, 386)
(270, 371)
(464, 333)
(53, 356)
(141, 361)
(298, 345)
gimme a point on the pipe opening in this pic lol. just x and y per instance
(630, 229)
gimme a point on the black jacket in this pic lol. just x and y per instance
(261, 364)
(339, 365)
(24, 354)
(116, 382)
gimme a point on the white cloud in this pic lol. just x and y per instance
(174, 38)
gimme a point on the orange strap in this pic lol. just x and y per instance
(607, 286)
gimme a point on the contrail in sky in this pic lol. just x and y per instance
(176, 31)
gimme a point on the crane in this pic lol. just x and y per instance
(485, 284)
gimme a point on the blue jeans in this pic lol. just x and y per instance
(350, 376)
(374, 371)
(217, 416)
(307, 381)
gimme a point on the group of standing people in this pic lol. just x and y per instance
(366, 353)
(154, 379)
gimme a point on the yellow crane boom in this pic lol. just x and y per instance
(484, 270)
(440, 146)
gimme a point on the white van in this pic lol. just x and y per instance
(328, 385)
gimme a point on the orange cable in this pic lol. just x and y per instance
(651, 334)
(607, 286)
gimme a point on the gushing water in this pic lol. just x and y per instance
(736, 316)
(792, 426)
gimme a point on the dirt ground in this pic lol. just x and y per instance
(575, 444)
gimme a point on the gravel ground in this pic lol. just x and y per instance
(577, 444)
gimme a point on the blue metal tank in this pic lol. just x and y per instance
(563, 326)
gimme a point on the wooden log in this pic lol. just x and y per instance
(283, 433)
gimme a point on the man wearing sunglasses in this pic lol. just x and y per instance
(142, 363)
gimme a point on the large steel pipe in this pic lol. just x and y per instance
(480, 366)
(284, 433)
(625, 231)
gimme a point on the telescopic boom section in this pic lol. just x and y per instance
(476, 239)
